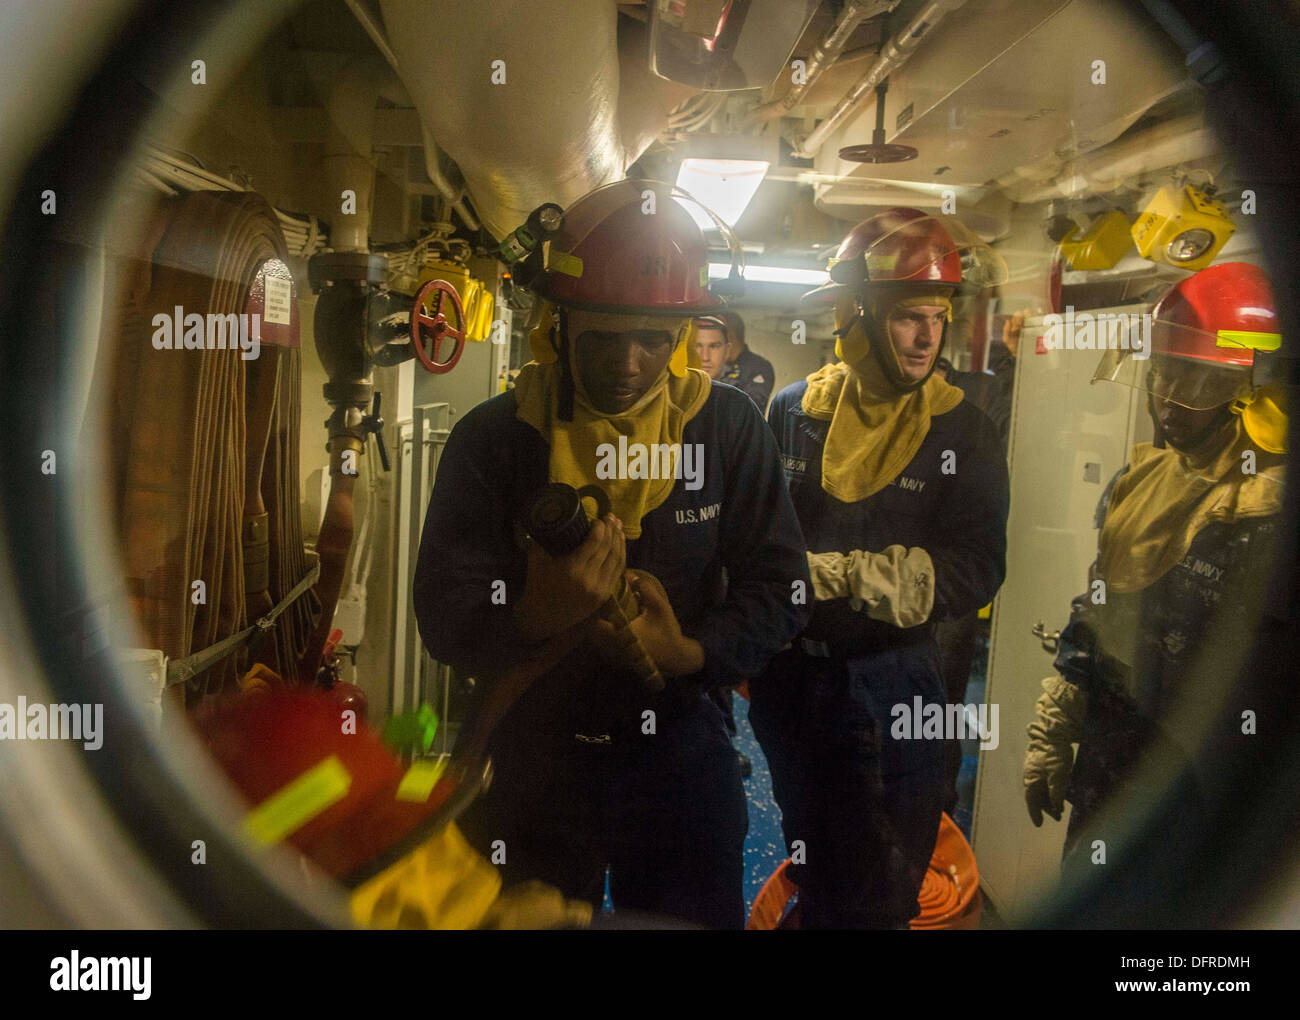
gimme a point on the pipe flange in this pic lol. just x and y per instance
(350, 266)
(348, 393)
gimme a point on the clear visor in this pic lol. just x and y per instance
(1194, 383)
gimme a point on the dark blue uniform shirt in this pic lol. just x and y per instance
(728, 554)
(951, 500)
(752, 373)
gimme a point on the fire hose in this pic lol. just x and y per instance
(556, 520)
(205, 441)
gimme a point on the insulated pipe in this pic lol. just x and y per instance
(347, 166)
(828, 50)
(478, 79)
(893, 55)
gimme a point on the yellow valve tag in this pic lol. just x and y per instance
(563, 262)
(420, 779)
(298, 803)
(1242, 339)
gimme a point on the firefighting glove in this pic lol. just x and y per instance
(895, 585)
(1050, 758)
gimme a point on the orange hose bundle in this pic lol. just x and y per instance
(950, 893)
(770, 903)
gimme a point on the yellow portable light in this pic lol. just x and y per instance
(1183, 227)
(1103, 244)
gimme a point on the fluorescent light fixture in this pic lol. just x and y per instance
(772, 274)
(726, 186)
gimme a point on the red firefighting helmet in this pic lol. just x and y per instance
(630, 247)
(902, 246)
(1221, 315)
(325, 783)
(1205, 331)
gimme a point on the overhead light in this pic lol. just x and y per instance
(772, 274)
(725, 186)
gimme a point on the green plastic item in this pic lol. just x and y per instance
(412, 732)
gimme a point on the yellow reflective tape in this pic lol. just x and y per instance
(420, 780)
(298, 803)
(563, 262)
(886, 262)
(704, 276)
(1246, 339)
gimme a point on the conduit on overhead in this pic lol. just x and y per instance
(829, 49)
(893, 55)
(171, 176)
(191, 503)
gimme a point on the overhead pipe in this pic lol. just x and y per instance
(371, 22)
(893, 55)
(433, 167)
(476, 80)
(828, 50)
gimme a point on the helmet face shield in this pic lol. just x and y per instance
(1200, 352)
(1189, 382)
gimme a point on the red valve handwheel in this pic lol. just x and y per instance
(437, 325)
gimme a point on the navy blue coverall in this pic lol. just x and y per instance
(865, 806)
(752, 373)
(577, 783)
(1137, 655)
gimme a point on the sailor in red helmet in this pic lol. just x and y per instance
(901, 490)
(591, 769)
(1184, 554)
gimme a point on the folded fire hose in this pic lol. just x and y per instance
(204, 441)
